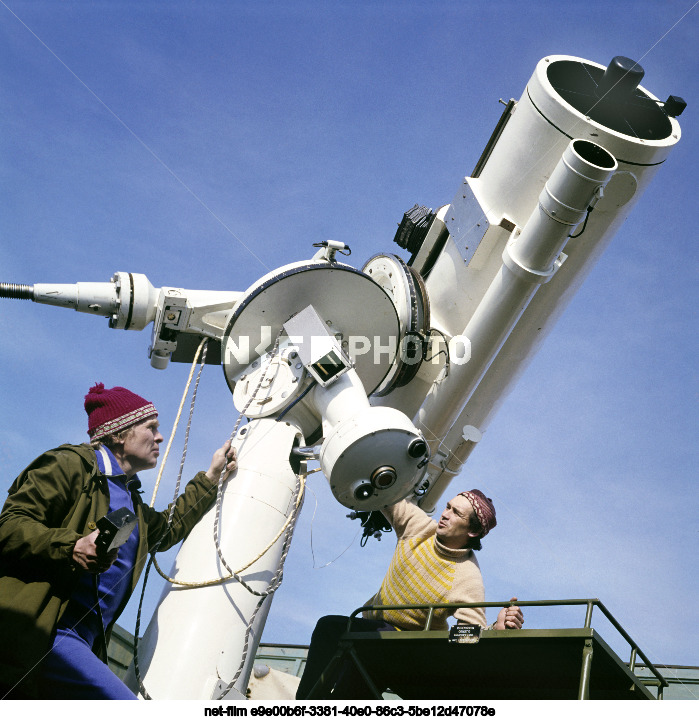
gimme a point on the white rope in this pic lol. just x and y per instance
(203, 344)
(274, 584)
(219, 492)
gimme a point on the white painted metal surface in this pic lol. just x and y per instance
(507, 193)
(196, 636)
(359, 440)
(528, 261)
(336, 291)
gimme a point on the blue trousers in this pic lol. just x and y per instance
(71, 670)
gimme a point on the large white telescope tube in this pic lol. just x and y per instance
(548, 115)
(529, 260)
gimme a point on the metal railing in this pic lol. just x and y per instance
(589, 604)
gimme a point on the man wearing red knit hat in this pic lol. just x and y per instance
(59, 593)
(434, 562)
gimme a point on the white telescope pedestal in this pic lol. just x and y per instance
(193, 645)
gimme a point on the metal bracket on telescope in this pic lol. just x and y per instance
(309, 453)
(374, 525)
(319, 350)
(529, 274)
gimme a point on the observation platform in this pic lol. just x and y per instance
(566, 663)
(535, 664)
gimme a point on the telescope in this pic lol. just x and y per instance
(388, 374)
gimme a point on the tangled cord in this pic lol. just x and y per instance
(447, 361)
(219, 492)
(235, 574)
(274, 583)
(219, 501)
(287, 528)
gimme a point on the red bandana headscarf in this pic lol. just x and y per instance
(484, 508)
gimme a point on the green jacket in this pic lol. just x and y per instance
(53, 503)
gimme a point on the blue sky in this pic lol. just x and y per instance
(206, 143)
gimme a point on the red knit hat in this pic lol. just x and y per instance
(484, 508)
(110, 410)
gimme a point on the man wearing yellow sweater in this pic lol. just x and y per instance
(434, 562)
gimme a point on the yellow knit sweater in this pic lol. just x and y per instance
(423, 570)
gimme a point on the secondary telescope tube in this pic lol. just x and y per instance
(529, 260)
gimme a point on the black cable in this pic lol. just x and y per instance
(447, 362)
(577, 235)
(299, 398)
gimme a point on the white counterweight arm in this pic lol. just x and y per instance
(130, 302)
